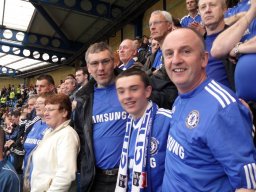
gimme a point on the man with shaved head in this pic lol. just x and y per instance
(210, 146)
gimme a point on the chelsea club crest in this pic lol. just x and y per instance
(153, 146)
(192, 119)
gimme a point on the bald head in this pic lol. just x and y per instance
(185, 58)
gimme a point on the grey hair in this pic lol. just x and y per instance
(166, 15)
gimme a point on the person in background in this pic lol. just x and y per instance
(240, 44)
(45, 83)
(160, 24)
(82, 76)
(9, 180)
(71, 87)
(141, 50)
(193, 16)
(127, 51)
(38, 130)
(212, 13)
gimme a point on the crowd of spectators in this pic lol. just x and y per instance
(80, 130)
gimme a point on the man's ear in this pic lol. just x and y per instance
(148, 91)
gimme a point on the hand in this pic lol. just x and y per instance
(197, 26)
(8, 143)
(74, 103)
(232, 53)
(232, 59)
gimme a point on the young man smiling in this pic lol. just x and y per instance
(143, 155)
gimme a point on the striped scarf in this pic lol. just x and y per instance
(139, 175)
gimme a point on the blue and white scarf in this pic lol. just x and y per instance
(139, 175)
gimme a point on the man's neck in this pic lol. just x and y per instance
(213, 29)
(126, 62)
(193, 13)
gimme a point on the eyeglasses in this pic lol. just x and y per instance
(39, 103)
(156, 23)
(49, 109)
(103, 62)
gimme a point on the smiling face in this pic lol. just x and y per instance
(133, 95)
(101, 67)
(185, 60)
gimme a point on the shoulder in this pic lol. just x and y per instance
(184, 18)
(8, 173)
(165, 113)
(85, 90)
(219, 94)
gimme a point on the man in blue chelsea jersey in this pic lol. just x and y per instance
(210, 146)
(100, 122)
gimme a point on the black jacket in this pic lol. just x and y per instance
(83, 126)
(164, 92)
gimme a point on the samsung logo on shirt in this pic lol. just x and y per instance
(105, 117)
(32, 141)
(174, 147)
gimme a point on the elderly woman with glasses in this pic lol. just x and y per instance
(54, 160)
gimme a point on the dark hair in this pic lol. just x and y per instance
(15, 113)
(176, 22)
(85, 71)
(62, 100)
(135, 71)
(46, 77)
(70, 76)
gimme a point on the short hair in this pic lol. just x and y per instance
(46, 77)
(223, 3)
(176, 22)
(135, 71)
(84, 70)
(166, 15)
(62, 100)
(15, 113)
(98, 47)
(137, 38)
(46, 95)
(132, 43)
(70, 76)
(33, 97)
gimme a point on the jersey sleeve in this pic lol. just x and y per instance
(230, 139)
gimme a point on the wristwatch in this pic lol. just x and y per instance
(236, 50)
